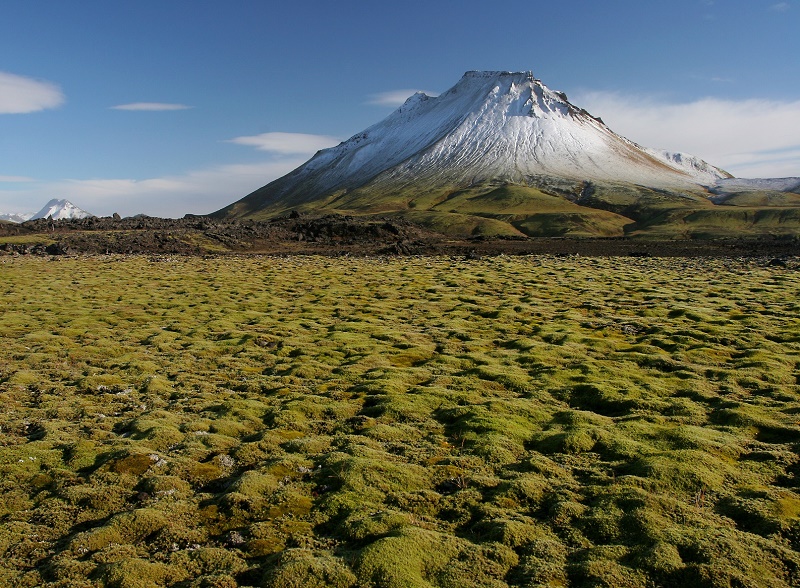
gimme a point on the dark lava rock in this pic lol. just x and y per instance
(335, 235)
(777, 262)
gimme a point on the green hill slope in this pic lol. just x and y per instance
(552, 208)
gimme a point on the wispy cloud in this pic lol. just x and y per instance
(393, 98)
(196, 192)
(151, 106)
(15, 179)
(749, 138)
(717, 79)
(287, 143)
(20, 94)
(780, 7)
(708, 5)
(199, 191)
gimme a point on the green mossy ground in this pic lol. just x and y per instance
(532, 421)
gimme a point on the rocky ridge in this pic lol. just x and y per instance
(335, 235)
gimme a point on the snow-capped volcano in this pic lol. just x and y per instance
(61, 209)
(500, 127)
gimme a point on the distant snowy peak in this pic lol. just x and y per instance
(60, 210)
(732, 185)
(16, 217)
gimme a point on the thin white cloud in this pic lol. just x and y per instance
(287, 143)
(20, 94)
(151, 106)
(748, 138)
(712, 78)
(780, 7)
(195, 192)
(393, 98)
(15, 179)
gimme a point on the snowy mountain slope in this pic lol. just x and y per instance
(501, 127)
(61, 209)
(521, 129)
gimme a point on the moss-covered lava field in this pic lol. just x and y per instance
(387, 422)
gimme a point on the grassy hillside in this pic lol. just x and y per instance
(558, 209)
(763, 198)
(720, 221)
(452, 223)
(490, 210)
(307, 421)
(534, 212)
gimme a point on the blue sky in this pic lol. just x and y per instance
(166, 108)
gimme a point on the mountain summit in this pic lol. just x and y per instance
(491, 130)
(61, 209)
